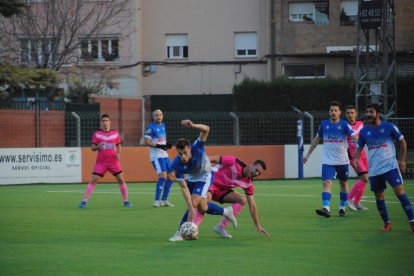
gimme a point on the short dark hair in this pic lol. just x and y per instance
(182, 143)
(105, 115)
(335, 103)
(261, 163)
(350, 107)
(375, 106)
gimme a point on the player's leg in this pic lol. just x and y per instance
(328, 174)
(98, 172)
(342, 174)
(360, 186)
(394, 178)
(378, 186)
(238, 203)
(159, 167)
(123, 188)
(167, 185)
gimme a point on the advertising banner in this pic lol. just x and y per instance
(40, 165)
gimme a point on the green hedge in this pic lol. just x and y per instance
(281, 93)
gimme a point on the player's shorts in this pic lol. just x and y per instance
(162, 164)
(101, 168)
(218, 193)
(363, 165)
(200, 187)
(378, 182)
(329, 172)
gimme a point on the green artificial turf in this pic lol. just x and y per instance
(43, 232)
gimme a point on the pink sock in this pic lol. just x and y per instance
(236, 210)
(88, 191)
(124, 191)
(198, 218)
(360, 189)
(353, 191)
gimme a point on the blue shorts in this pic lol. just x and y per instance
(162, 165)
(329, 171)
(200, 187)
(378, 182)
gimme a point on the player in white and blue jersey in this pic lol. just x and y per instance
(156, 139)
(380, 137)
(335, 160)
(194, 174)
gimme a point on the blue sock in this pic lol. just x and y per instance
(214, 209)
(167, 188)
(343, 199)
(382, 209)
(183, 219)
(326, 199)
(406, 204)
(158, 189)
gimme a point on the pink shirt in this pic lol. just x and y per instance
(109, 139)
(357, 126)
(230, 175)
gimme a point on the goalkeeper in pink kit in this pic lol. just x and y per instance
(108, 144)
(234, 173)
(355, 196)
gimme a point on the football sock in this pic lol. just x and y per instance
(236, 210)
(383, 211)
(124, 191)
(198, 218)
(326, 200)
(88, 191)
(159, 187)
(183, 219)
(214, 209)
(167, 188)
(406, 204)
(343, 199)
(359, 191)
(353, 191)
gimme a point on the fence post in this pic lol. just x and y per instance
(300, 148)
(78, 127)
(236, 129)
(308, 115)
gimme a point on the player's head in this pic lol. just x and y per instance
(106, 122)
(351, 113)
(255, 169)
(334, 110)
(184, 149)
(372, 113)
(157, 116)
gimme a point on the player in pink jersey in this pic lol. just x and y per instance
(108, 144)
(234, 173)
(357, 191)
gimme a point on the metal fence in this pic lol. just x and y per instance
(26, 128)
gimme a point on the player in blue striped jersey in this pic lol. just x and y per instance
(380, 137)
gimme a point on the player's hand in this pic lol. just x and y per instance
(356, 164)
(262, 231)
(305, 159)
(191, 214)
(186, 123)
(403, 166)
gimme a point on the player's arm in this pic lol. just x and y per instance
(187, 196)
(255, 215)
(204, 129)
(118, 150)
(403, 155)
(94, 147)
(215, 159)
(313, 145)
(357, 155)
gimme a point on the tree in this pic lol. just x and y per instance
(48, 34)
(9, 8)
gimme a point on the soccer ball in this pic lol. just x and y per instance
(189, 231)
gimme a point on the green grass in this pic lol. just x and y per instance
(43, 232)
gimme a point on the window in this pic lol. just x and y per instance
(304, 71)
(245, 44)
(37, 51)
(99, 50)
(317, 12)
(349, 12)
(177, 46)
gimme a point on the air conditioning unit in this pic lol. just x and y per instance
(149, 69)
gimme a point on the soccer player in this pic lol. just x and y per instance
(334, 157)
(231, 173)
(379, 137)
(357, 191)
(108, 144)
(193, 171)
(156, 140)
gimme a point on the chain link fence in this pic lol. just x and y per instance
(28, 128)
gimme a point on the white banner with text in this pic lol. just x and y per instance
(40, 165)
